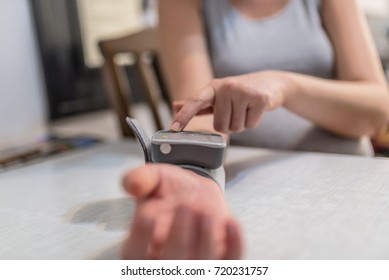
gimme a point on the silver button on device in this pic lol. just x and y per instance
(165, 149)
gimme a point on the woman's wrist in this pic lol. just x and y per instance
(218, 175)
(290, 88)
(286, 84)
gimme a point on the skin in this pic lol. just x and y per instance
(353, 105)
(179, 215)
(170, 204)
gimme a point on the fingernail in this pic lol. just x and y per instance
(176, 126)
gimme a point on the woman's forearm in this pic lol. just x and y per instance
(347, 108)
(184, 53)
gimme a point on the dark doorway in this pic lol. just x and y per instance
(72, 87)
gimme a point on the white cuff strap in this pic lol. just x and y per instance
(218, 175)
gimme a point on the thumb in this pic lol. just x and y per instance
(201, 103)
(142, 181)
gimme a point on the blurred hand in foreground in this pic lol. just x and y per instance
(179, 215)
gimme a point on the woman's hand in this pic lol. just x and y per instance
(179, 215)
(237, 102)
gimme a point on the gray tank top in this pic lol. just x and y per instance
(292, 40)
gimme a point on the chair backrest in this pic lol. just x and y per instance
(143, 45)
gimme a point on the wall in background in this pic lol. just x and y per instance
(375, 8)
(102, 19)
(22, 96)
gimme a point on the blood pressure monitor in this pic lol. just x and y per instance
(188, 147)
(200, 152)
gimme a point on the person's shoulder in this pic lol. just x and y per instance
(194, 3)
(190, 3)
(179, 6)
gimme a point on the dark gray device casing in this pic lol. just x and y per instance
(191, 148)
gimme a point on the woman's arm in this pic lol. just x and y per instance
(355, 104)
(184, 53)
(358, 103)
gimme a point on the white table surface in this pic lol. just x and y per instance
(291, 205)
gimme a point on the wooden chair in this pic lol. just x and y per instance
(143, 45)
